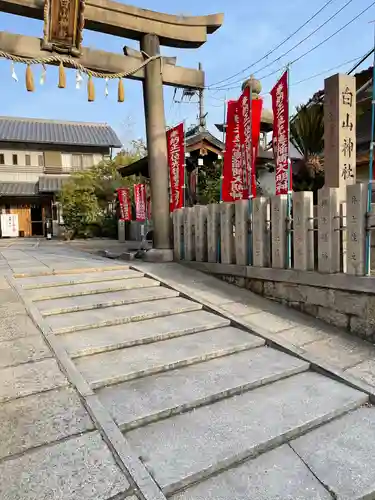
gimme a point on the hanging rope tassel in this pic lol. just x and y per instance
(29, 79)
(62, 77)
(121, 92)
(90, 90)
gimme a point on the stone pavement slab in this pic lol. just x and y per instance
(72, 279)
(10, 310)
(126, 364)
(114, 337)
(343, 350)
(81, 468)
(341, 454)
(40, 419)
(147, 399)
(90, 288)
(23, 350)
(302, 334)
(83, 320)
(102, 300)
(364, 371)
(16, 325)
(272, 322)
(188, 447)
(30, 378)
(276, 475)
(6, 296)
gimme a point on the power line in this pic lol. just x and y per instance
(334, 34)
(359, 60)
(304, 39)
(310, 50)
(277, 47)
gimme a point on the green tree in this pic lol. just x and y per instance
(89, 200)
(209, 183)
(307, 136)
(80, 205)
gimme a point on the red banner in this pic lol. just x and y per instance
(125, 203)
(140, 202)
(250, 111)
(176, 162)
(280, 108)
(233, 174)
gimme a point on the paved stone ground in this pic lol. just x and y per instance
(133, 389)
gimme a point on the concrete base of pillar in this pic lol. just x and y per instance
(158, 255)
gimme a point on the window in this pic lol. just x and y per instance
(2, 159)
(88, 161)
(40, 160)
(15, 159)
(27, 160)
(76, 162)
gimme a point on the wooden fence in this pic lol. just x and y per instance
(329, 238)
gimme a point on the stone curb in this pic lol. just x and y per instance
(345, 282)
(127, 460)
(317, 364)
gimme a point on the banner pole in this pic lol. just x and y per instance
(184, 187)
(290, 187)
(371, 171)
(250, 179)
(224, 139)
(222, 173)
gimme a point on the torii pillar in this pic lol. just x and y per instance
(181, 32)
(157, 152)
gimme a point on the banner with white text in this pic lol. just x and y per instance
(250, 111)
(176, 162)
(140, 202)
(233, 173)
(280, 108)
(125, 203)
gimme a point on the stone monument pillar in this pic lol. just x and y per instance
(340, 132)
(157, 152)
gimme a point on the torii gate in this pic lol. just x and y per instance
(63, 26)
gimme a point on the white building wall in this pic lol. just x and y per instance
(9, 172)
(21, 157)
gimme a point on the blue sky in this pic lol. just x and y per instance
(250, 30)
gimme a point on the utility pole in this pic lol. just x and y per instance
(202, 116)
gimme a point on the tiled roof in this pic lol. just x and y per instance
(52, 184)
(205, 134)
(38, 131)
(18, 189)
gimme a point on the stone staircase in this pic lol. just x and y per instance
(211, 410)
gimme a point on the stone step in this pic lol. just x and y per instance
(276, 475)
(61, 292)
(63, 279)
(141, 401)
(143, 332)
(118, 315)
(126, 364)
(103, 300)
(190, 447)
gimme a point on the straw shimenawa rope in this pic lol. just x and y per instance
(72, 63)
